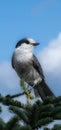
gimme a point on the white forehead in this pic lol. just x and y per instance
(31, 40)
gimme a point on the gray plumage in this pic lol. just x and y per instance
(28, 67)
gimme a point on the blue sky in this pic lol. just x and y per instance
(37, 19)
(40, 20)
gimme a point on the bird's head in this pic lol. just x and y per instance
(26, 43)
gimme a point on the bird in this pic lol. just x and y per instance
(27, 67)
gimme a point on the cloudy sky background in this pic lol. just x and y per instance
(40, 20)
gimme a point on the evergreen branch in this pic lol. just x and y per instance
(2, 125)
(43, 122)
(25, 127)
(33, 115)
(56, 127)
(52, 100)
(20, 113)
(11, 123)
(15, 95)
(46, 129)
(8, 101)
(57, 116)
(45, 108)
(56, 110)
(56, 113)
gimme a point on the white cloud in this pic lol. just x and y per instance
(9, 81)
(50, 56)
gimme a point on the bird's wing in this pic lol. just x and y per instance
(37, 66)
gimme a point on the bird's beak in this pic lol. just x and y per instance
(35, 44)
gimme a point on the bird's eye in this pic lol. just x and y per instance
(27, 42)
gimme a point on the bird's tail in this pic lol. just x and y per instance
(43, 90)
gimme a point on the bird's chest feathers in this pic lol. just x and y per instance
(23, 55)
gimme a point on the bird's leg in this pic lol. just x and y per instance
(26, 91)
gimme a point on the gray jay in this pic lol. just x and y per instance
(28, 67)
